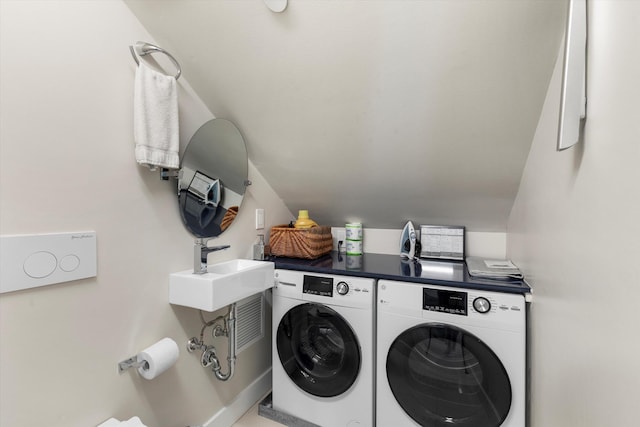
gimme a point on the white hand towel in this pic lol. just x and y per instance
(111, 422)
(155, 119)
(133, 422)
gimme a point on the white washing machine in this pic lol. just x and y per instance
(449, 357)
(323, 335)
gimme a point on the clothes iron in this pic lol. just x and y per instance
(409, 243)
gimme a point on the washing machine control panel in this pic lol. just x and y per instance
(453, 302)
(481, 305)
(316, 285)
(444, 301)
(333, 287)
(348, 291)
(342, 288)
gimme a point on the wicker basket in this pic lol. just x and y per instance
(309, 243)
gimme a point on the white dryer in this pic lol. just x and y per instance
(449, 357)
(323, 334)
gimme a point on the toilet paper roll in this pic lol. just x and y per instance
(353, 231)
(159, 357)
(354, 247)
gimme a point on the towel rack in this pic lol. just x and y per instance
(144, 48)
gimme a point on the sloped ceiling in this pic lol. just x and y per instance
(374, 111)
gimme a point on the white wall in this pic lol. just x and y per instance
(574, 229)
(66, 164)
(382, 110)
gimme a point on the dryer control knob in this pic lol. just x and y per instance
(482, 305)
(342, 288)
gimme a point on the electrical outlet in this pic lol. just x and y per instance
(340, 240)
(259, 219)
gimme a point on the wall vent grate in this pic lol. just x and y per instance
(250, 321)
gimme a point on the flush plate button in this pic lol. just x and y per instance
(69, 263)
(40, 264)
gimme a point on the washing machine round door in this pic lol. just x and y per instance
(442, 375)
(318, 350)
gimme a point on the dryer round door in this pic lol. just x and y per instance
(442, 375)
(318, 350)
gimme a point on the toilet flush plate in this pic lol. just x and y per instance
(29, 261)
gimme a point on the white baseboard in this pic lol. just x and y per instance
(248, 397)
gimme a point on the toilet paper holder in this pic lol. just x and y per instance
(153, 360)
(132, 362)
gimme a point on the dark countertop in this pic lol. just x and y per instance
(391, 267)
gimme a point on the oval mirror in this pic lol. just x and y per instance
(212, 178)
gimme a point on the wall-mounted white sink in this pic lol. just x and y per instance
(223, 284)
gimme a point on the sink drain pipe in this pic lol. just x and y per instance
(209, 355)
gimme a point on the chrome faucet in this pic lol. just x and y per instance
(200, 252)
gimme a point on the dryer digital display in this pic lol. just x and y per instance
(451, 302)
(315, 285)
